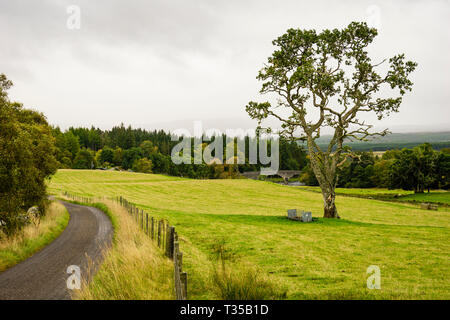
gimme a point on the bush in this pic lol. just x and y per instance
(27, 159)
(84, 160)
(143, 165)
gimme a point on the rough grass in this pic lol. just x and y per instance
(33, 238)
(363, 191)
(326, 259)
(435, 196)
(133, 269)
(240, 281)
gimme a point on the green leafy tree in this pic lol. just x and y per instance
(414, 169)
(130, 156)
(117, 157)
(106, 155)
(27, 159)
(329, 74)
(71, 143)
(443, 170)
(358, 174)
(142, 165)
(391, 154)
(381, 177)
(307, 177)
(84, 160)
(161, 163)
(148, 148)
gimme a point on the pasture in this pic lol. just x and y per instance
(326, 259)
(434, 196)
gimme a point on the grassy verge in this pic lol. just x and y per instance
(33, 238)
(134, 268)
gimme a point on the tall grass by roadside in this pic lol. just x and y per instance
(33, 238)
(133, 269)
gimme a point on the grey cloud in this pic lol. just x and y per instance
(150, 61)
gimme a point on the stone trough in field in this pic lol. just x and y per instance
(303, 216)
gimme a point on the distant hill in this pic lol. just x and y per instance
(438, 140)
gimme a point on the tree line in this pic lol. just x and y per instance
(140, 150)
(419, 169)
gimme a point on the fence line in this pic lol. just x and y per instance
(163, 234)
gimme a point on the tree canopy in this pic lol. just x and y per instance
(27, 158)
(327, 79)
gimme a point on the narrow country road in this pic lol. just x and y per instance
(44, 275)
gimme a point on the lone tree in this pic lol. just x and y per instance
(327, 79)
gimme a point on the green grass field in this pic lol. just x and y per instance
(320, 260)
(435, 196)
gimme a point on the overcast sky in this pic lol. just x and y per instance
(165, 63)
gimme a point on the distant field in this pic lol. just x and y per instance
(321, 260)
(438, 140)
(362, 191)
(435, 196)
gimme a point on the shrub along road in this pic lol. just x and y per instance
(44, 275)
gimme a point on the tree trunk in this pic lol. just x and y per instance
(329, 207)
(419, 189)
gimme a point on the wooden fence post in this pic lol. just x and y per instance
(163, 235)
(159, 233)
(140, 218)
(177, 280)
(153, 229)
(183, 279)
(170, 240)
(179, 262)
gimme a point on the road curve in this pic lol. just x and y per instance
(44, 275)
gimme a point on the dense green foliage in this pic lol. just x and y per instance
(27, 151)
(125, 148)
(365, 170)
(421, 168)
(329, 74)
(414, 169)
